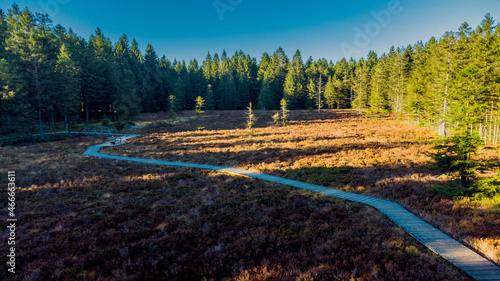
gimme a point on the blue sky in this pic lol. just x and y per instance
(319, 28)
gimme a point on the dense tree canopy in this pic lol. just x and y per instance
(48, 73)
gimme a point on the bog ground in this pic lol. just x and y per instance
(87, 218)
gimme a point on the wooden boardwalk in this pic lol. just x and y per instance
(464, 258)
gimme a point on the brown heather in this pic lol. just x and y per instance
(383, 158)
(83, 218)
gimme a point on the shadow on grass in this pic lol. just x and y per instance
(126, 220)
(218, 120)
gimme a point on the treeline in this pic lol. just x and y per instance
(50, 74)
(451, 83)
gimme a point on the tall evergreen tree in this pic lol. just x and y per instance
(25, 43)
(361, 86)
(294, 91)
(378, 97)
(68, 85)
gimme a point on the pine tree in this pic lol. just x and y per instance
(151, 83)
(25, 42)
(319, 102)
(361, 86)
(378, 98)
(250, 121)
(284, 111)
(441, 67)
(267, 96)
(200, 103)
(197, 83)
(100, 85)
(180, 85)
(398, 64)
(294, 90)
(312, 92)
(68, 85)
(265, 63)
(210, 98)
(330, 93)
(179, 94)
(272, 90)
(416, 101)
(206, 68)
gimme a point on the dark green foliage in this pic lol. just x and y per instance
(294, 89)
(49, 73)
(481, 189)
(122, 112)
(210, 102)
(454, 155)
(486, 188)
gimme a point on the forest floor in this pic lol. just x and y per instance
(88, 218)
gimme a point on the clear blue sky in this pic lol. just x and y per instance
(319, 28)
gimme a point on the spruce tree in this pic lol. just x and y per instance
(179, 94)
(330, 93)
(312, 92)
(27, 35)
(442, 66)
(378, 97)
(294, 90)
(68, 85)
(210, 102)
(361, 86)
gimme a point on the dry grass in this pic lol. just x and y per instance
(382, 158)
(83, 218)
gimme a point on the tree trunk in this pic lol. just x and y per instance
(485, 132)
(491, 123)
(40, 117)
(69, 124)
(351, 99)
(495, 130)
(51, 121)
(40, 122)
(9, 123)
(445, 107)
(319, 94)
(86, 111)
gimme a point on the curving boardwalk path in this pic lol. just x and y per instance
(467, 260)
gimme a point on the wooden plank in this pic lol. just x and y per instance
(491, 269)
(486, 278)
(479, 266)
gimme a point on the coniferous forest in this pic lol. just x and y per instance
(235, 167)
(50, 74)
